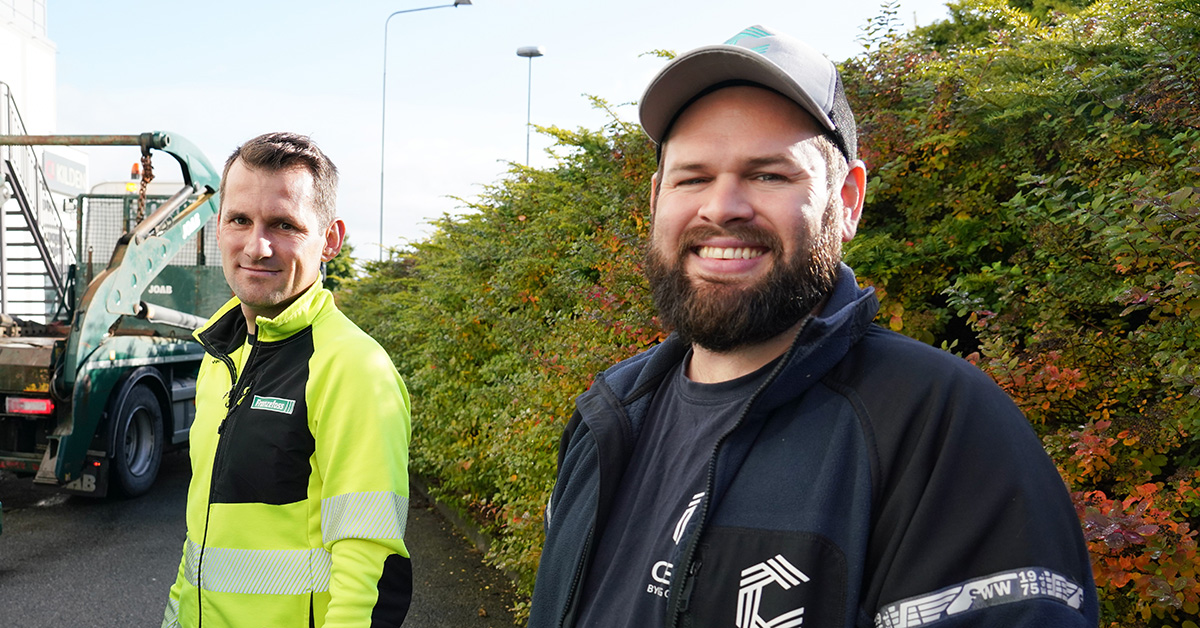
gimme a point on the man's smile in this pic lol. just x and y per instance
(258, 271)
(729, 252)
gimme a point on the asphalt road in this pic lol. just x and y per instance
(78, 562)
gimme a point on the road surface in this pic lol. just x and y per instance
(68, 561)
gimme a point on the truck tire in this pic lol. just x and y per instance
(138, 435)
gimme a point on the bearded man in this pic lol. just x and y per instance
(779, 461)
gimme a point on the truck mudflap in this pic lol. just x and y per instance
(93, 478)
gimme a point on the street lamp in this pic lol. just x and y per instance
(529, 52)
(383, 118)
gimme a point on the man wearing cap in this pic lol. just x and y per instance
(779, 461)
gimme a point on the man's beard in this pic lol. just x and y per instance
(724, 317)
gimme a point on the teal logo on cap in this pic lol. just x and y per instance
(754, 32)
(273, 404)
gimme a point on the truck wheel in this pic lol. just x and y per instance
(139, 443)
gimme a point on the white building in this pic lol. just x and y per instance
(28, 105)
(27, 63)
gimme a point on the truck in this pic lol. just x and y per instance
(98, 371)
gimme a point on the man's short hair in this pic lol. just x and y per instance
(278, 151)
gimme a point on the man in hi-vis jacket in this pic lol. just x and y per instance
(299, 493)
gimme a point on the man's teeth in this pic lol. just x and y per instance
(714, 252)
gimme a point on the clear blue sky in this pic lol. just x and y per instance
(220, 72)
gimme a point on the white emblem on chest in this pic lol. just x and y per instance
(775, 570)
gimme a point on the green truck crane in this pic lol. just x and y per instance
(92, 395)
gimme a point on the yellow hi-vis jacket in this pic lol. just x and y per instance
(299, 493)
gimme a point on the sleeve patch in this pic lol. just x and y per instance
(372, 515)
(994, 590)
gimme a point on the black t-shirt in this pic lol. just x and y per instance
(629, 578)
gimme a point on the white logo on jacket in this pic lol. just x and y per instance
(661, 571)
(687, 516)
(775, 570)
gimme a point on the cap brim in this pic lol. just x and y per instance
(689, 74)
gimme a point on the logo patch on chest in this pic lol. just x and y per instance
(273, 404)
(751, 578)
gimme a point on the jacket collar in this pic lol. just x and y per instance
(226, 330)
(824, 340)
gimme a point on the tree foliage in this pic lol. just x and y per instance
(1032, 204)
(503, 316)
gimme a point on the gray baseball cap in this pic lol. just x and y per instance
(757, 56)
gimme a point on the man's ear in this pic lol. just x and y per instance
(854, 194)
(335, 236)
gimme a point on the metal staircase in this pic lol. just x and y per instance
(36, 237)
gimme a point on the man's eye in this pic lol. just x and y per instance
(771, 176)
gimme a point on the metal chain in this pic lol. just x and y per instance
(147, 177)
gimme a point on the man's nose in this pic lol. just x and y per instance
(259, 246)
(726, 202)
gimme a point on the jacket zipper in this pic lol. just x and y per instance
(679, 603)
(587, 545)
(232, 404)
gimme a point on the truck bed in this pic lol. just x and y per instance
(26, 363)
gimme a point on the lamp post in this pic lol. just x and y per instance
(383, 118)
(529, 52)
